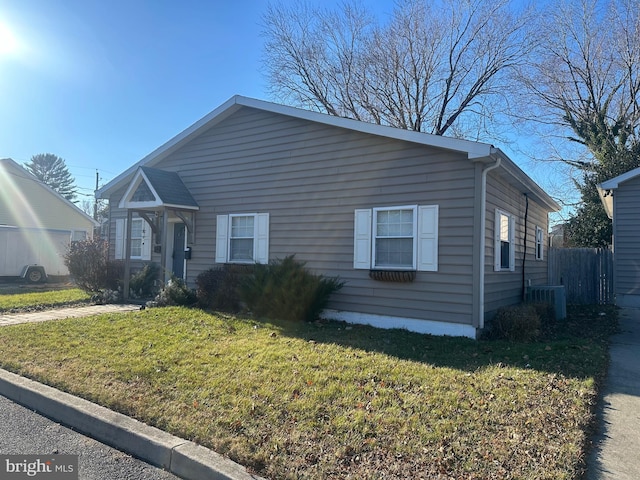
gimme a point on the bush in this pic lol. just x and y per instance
(547, 315)
(284, 289)
(518, 323)
(114, 275)
(87, 264)
(217, 289)
(175, 292)
(143, 283)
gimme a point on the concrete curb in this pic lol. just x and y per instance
(176, 455)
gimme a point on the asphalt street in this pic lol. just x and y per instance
(24, 432)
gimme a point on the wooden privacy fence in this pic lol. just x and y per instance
(586, 273)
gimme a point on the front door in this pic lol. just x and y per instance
(178, 250)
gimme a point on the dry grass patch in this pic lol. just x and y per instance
(330, 400)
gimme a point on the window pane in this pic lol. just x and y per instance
(241, 249)
(394, 223)
(242, 227)
(505, 254)
(79, 235)
(394, 252)
(505, 241)
(539, 244)
(504, 228)
(136, 228)
(136, 247)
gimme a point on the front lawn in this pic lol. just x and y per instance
(328, 400)
(18, 302)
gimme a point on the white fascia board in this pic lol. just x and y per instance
(613, 183)
(140, 205)
(176, 142)
(180, 207)
(138, 178)
(525, 181)
(20, 170)
(472, 149)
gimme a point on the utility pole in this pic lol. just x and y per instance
(95, 200)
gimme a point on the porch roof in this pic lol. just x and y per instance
(154, 188)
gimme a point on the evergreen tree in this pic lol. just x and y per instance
(586, 85)
(52, 171)
(616, 150)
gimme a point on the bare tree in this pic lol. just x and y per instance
(587, 77)
(587, 82)
(433, 67)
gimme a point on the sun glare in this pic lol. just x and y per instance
(9, 44)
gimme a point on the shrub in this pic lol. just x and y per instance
(175, 292)
(284, 289)
(87, 263)
(114, 275)
(217, 289)
(547, 315)
(517, 323)
(143, 283)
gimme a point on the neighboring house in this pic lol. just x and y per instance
(428, 232)
(621, 197)
(36, 225)
(556, 236)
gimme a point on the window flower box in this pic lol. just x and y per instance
(393, 275)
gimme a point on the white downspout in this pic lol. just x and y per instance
(483, 241)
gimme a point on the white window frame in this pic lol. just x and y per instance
(413, 237)
(79, 235)
(511, 229)
(539, 243)
(141, 237)
(260, 238)
(145, 247)
(252, 237)
(424, 235)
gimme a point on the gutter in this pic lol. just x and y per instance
(483, 240)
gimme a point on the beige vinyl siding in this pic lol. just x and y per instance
(504, 287)
(29, 204)
(311, 178)
(626, 237)
(115, 214)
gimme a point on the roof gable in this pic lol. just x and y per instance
(152, 187)
(615, 182)
(15, 183)
(606, 189)
(475, 151)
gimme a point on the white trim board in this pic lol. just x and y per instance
(431, 327)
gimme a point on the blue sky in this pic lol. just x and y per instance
(103, 83)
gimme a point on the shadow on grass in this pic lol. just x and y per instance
(575, 347)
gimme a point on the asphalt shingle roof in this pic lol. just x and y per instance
(169, 187)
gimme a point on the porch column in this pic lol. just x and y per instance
(127, 255)
(164, 244)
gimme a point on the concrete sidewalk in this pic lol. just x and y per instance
(183, 458)
(617, 440)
